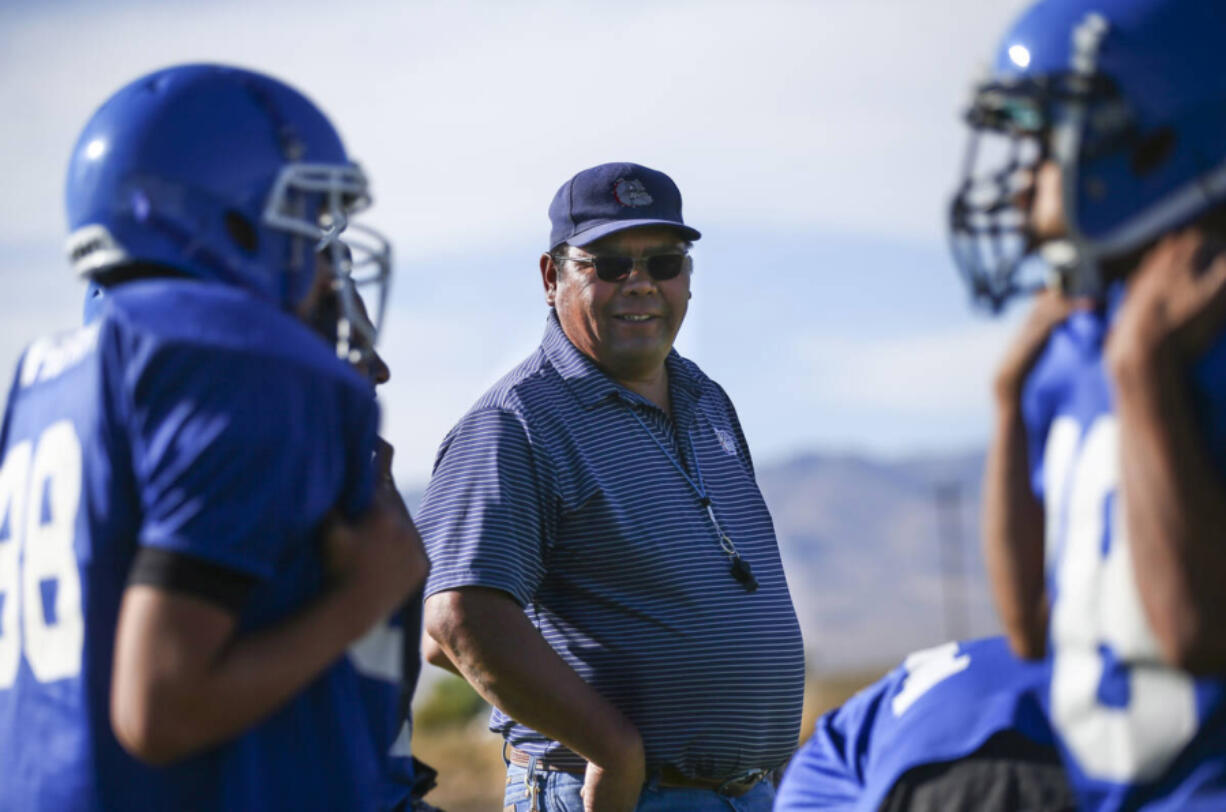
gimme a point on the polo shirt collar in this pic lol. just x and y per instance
(591, 386)
(683, 383)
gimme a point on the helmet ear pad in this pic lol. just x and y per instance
(191, 231)
(1154, 183)
(242, 232)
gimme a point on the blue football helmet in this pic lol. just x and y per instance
(1128, 97)
(231, 176)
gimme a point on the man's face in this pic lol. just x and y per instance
(627, 327)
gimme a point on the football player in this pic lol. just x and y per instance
(955, 727)
(194, 525)
(1105, 488)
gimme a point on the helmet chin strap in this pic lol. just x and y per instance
(1072, 270)
(355, 335)
(344, 341)
(1059, 254)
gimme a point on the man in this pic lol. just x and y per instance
(191, 529)
(955, 727)
(1109, 447)
(606, 572)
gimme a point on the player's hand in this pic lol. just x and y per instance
(385, 484)
(1175, 304)
(617, 786)
(378, 558)
(1050, 309)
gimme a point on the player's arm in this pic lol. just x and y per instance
(185, 680)
(502, 655)
(1012, 513)
(1174, 498)
(1013, 535)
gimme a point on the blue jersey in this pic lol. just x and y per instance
(1132, 730)
(940, 705)
(95, 296)
(195, 419)
(388, 663)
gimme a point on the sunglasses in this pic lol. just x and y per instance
(613, 268)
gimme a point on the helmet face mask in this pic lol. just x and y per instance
(1015, 128)
(990, 209)
(231, 176)
(358, 257)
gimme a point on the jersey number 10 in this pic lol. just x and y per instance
(1133, 732)
(40, 587)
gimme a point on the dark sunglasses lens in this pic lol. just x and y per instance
(612, 269)
(665, 266)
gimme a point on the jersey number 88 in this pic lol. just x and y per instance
(40, 488)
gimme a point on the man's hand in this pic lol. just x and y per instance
(616, 787)
(1173, 495)
(379, 558)
(1050, 309)
(486, 634)
(1176, 303)
(385, 484)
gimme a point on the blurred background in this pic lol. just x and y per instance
(815, 144)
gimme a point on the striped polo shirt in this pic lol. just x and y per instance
(579, 498)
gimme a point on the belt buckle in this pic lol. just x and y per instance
(748, 778)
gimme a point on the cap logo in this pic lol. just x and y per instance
(631, 192)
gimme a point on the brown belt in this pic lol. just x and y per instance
(670, 776)
(552, 763)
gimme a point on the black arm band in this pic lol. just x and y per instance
(176, 572)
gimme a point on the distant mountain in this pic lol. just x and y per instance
(862, 544)
(882, 556)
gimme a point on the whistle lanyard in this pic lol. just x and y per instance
(739, 568)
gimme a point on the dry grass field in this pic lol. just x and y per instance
(469, 757)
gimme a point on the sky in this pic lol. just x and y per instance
(815, 145)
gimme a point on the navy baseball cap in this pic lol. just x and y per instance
(609, 198)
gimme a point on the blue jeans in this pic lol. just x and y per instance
(559, 792)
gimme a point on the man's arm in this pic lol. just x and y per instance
(183, 681)
(1012, 514)
(1174, 499)
(433, 653)
(497, 649)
